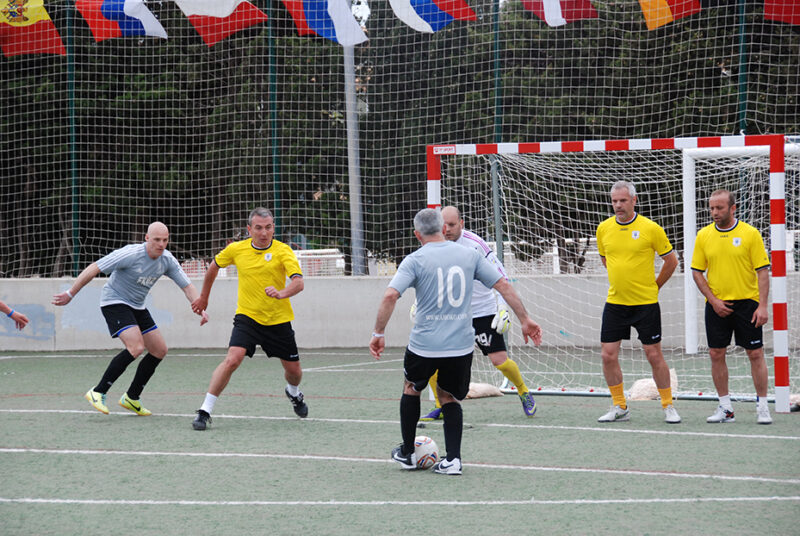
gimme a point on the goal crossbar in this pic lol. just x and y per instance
(772, 144)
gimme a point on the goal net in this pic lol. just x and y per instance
(549, 198)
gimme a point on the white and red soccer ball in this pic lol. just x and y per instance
(427, 452)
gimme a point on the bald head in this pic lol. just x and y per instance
(158, 228)
(156, 239)
(453, 224)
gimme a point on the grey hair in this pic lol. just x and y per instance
(258, 211)
(619, 185)
(428, 221)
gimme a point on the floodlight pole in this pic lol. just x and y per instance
(357, 257)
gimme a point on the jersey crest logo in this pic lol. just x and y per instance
(737, 241)
(635, 235)
(267, 256)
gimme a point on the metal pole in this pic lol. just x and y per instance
(73, 157)
(273, 120)
(496, 209)
(742, 68)
(358, 260)
(498, 134)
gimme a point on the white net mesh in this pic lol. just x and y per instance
(100, 141)
(551, 205)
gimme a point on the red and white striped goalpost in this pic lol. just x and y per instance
(777, 208)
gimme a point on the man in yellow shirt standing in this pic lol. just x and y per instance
(263, 311)
(627, 243)
(736, 294)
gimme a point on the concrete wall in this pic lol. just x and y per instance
(330, 312)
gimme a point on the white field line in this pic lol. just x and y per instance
(228, 455)
(606, 429)
(209, 352)
(531, 502)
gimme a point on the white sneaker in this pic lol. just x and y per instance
(722, 415)
(445, 467)
(616, 414)
(671, 415)
(763, 416)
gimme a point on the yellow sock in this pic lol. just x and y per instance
(618, 395)
(666, 396)
(511, 371)
(432, 383)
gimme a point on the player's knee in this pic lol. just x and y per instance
(654, 355)
(498, 358)
(756, 355)
(609, 357)
(717, 354)
(135, 349)
(232, 362)
(447, 398)
(408, 389)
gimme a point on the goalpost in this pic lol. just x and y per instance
(541, 202)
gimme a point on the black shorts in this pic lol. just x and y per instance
(454, 372)
(618, 320)
(487, 339)
(120, 317)
(719, 329)
(276, 340)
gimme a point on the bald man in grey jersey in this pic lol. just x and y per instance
(134, 270)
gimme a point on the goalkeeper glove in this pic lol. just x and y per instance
(501, 321)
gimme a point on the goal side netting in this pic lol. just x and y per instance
(539, 205)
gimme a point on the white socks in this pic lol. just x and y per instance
(725, 402)
(208, 403)
(293, 390)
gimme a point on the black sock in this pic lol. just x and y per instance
(114, 370)
(453, 428)
(143, 373)
(409, 416)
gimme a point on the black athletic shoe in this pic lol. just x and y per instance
(300, 407)
(406, 461)
(202, 420)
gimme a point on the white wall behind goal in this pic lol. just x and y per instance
(330, 312)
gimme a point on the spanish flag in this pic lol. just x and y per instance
(657, 13)
(26, 28)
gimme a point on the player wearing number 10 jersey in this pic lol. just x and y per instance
(489, 315)
(442, 338)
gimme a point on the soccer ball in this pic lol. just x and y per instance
(426, 450)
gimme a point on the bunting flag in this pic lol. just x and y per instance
(101, 27)
(26, 28)
(215, 20)
(782, 11)
(295, 8)
(333, 19)
(560, 12)
(657, 13)
(430, 16)
(457, 8)
(119, 18)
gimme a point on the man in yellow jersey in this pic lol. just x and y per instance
(263, 311)
(627, 242)
(736, 294)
